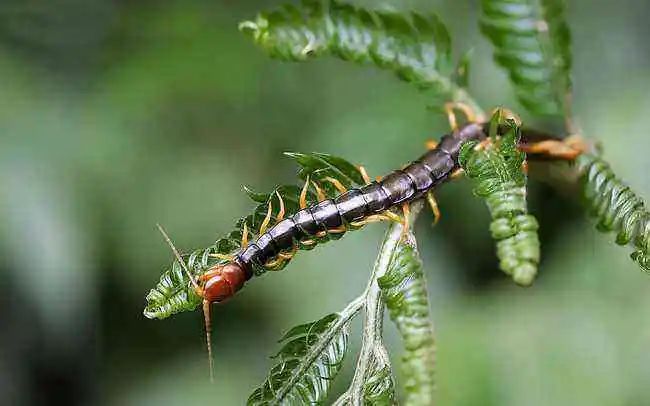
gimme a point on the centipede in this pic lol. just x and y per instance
(313, 217)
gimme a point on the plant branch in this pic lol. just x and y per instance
(372, 347)
(345, 315)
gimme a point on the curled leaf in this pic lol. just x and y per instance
(616, 207)
(498, 176)
(404, 291)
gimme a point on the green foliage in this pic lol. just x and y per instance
(496, 169)
(174, 292)
(532, 42)
(416, 47)
(379, 388)
(319, 167)
(616, 207)
(308, 362)
(404, 291)
(171, 295)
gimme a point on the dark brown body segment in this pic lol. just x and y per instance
(398, 187)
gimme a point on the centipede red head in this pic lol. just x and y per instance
(219, 283)
(222, 282)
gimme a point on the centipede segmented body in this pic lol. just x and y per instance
(345, 212)
(330, 215)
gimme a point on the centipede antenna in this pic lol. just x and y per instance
(178, 257)
(208, 335)
(206, 303)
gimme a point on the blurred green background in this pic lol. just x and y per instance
(115, 115)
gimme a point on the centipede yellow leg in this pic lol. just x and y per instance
(337, 230)
(337, 184)
(568, 149)
(285, 255)
(451, 116)
(433, 204)
(431, 144)
(288, 255)
(227, 257)
(576, 141)
(406, 210)
(457, 173)
(319, 192)
(364, 174)
(370, 219)
(274, 264)
(469, 113)
(303, 194)
(389, 215)
(281, 213)
(267, 219)
(244, 236)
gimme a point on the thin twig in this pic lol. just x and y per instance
(372, 347)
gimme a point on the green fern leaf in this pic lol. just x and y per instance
(309, 361)
(171, 295)
(404, 291)
(174, 292)
(532, 42)
(616, 207)
(496, 170)
(462, 71)
(320, 166)
(379, 387)
(290, 197)
(416, 47)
